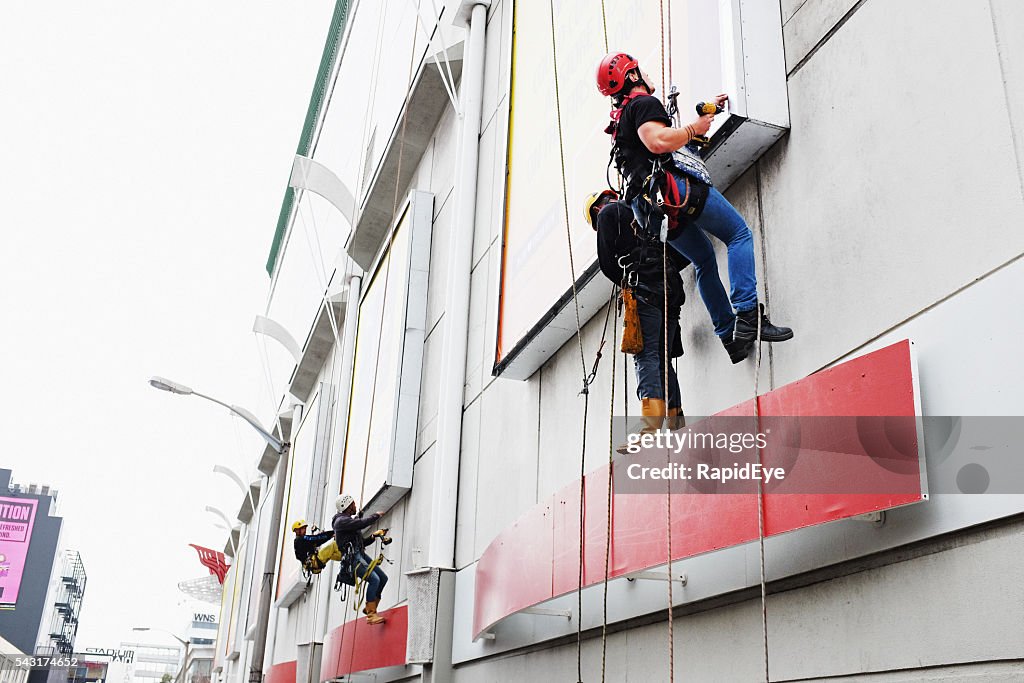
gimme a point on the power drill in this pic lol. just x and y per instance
(704, 108)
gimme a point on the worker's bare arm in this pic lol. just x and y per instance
(661, 139)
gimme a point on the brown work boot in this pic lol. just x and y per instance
(372, 618)
(676, 419)
(652, 411)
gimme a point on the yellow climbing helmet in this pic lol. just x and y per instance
(593, 200)
(298, 525)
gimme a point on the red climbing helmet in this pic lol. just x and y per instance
(612, 70)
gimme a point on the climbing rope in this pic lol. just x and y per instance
(585, 391)
(394, 211)
(665, 391)
(611, 466)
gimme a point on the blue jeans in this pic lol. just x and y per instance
(721, 220)
(375, 582)
(650, 363)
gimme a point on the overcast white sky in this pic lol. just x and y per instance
(144, 152)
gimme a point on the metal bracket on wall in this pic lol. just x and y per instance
(658, 576)
(877, 518)
(545, 612)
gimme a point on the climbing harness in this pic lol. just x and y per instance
(350, 578)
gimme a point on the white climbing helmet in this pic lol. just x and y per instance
(343, 502)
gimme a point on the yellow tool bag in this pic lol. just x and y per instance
(632, 339)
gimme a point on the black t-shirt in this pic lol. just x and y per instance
(617, 237)
(632, 156)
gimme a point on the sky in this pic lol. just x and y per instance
(145, 148)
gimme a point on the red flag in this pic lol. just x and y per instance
(212, 560)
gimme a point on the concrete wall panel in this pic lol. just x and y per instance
(968, 373)
(439, 250)
(483, 305)
(938, 609)
(469, 468)
(854, 199)
(490, 190)
(1007, 20)
(809, 24)
(446, 142)
(429, 390)
(789, 8)
(496, 59)
(508, 456)
(415, 541)
(562, 405)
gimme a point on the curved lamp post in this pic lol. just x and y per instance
(164, 384)
(259, 644)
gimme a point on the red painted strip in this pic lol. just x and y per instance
(282, 673)
(513, 573)
(357, 646)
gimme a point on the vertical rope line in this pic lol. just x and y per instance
(608, 501)
(661, 17)
(394, 209)
(604, 26)
(671, 80)
(760, 501)
(668, 458)
(665, 392)
(565, 191)
(579, 339)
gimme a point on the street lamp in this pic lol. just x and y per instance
(164, 384)
(184, 662)
(269, 563)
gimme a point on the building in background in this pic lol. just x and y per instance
(151, 663)
(435, 334)
(119, 662)
(64, 605)
(29, 537)
(13, 668)
(201, 633)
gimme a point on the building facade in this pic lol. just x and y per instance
(64, 604)
(30, 571)
(150, 663)
(434, 309)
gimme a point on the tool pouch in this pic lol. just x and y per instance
(683, 198)
(632, 339)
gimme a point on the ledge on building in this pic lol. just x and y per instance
(232, 542)
(424, 105)
(282, 430)
(318, 345)
(246, 511)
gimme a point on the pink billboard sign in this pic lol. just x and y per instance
(17, 516)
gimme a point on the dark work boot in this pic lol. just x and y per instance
(738, 349)
(746, 327)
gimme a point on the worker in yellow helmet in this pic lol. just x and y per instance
(315, 550)
(652, 291)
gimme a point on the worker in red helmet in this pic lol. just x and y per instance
(644, 139)
(638, 262)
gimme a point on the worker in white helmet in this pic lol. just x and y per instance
(348, 527)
